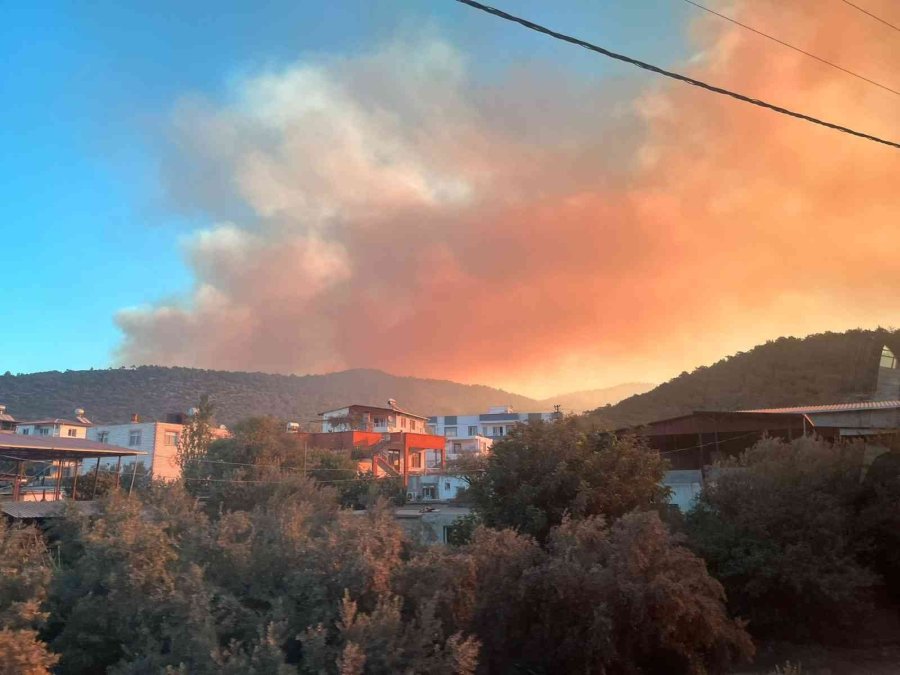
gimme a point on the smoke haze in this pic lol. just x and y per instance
(538, 231)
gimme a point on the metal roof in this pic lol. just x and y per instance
(51, 509)
(45, 448)
(830, 407)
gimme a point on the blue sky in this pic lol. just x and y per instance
(87, 94)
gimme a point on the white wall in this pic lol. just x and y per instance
(56, 430)
(393, 421)
(120, 435)
(489, 428)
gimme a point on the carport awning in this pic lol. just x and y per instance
(19, 447)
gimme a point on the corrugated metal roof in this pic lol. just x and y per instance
(831, 407)
(39, 448)
(51, 509)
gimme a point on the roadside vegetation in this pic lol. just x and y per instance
(265, 561)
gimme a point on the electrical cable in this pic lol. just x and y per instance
(676, 76)
(790, 46)
(877, 18)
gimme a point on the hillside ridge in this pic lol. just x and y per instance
(822, 368)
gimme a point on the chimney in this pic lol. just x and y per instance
(135, 418)
(2, 409)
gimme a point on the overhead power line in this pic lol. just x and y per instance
(790, 46)
(877, 18)
(676, 76)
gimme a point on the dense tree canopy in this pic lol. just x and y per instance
(545, 471)
(258, 567)
(781, 529)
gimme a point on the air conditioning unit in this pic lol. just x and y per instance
(410, 496)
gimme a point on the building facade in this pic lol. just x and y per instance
(496, 423)
(373, 418)
(458, 448)
(386, 441)
(158, 440)
(475, 434)
(56, 427)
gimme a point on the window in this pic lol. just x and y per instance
(378, 421)
(72, 432)
(457, 447)
(103, 437)
(402, 422)
(450, 432)
(446, 486)
(473, 431)
(888, 360)
(416, 461)
(134, 438)
(44, 431)
(170, 438)
(26, 431)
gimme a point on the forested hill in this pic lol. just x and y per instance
(153, 391)
(822, 368)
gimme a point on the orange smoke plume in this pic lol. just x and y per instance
(392, 211)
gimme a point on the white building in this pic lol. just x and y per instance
(58, 427)
(495, 423)
(373, 418)
(158, 439)
(458, 447)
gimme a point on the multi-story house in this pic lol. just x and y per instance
(388, 441)
(373, 418)
(158, 439)
(65, 428)
(495, 423)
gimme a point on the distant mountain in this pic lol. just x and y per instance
(822, 368)
(580, 401)
(152, 391)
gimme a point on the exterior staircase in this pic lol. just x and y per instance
(382, 460)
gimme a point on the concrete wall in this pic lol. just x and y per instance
(429, 527)
(391, 421)
(469, 426)
(158, 439)
(56, 430)
(444, 487)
